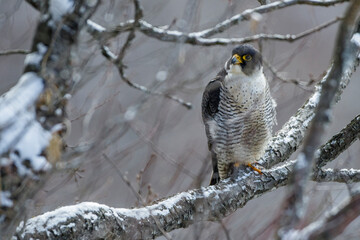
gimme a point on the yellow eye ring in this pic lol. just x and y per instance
(247, 57)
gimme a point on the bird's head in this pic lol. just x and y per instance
(244, 59)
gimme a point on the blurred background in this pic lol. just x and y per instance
(157, 144)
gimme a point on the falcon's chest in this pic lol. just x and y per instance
(245, 91)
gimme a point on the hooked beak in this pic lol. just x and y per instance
(236, 60)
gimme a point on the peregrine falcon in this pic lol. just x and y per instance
(238, 112)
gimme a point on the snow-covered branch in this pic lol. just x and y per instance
(337, 175)
(94, 221)
(341, 141)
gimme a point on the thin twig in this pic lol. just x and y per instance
(112, 58)
(227, 232)
(333, 223)
(302, 84)
(14, 51)
(245, 15)
(137, 195)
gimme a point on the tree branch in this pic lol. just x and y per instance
(294, 206)
(209, 203)
(342, 140)
(337, 175)
(201, 38)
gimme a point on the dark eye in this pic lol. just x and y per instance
(247, 57)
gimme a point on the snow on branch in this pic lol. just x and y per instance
(337, 175)
(91, 221)
(197, 38)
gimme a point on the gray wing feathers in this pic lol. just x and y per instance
(210, 104)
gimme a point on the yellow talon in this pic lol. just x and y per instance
(237, 164)
(254, 168)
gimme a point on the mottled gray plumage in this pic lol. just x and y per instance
(238, 112)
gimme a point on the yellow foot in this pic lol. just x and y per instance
(237, 164)
(254, 168)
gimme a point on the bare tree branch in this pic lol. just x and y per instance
(332, 224)
(262, 9)
(294, 206)
(201, 38)
(138, 196)
(112, 57)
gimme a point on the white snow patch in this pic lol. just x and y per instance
(5, 162)
(67, 96)
(33, 142)
(35, 58)
(307, 121)
(90, 215)
(301, 161)
(61, 215)
(11, 133)
(133, 213)
(20, 97)
(95, 26)
(5, 200)
(161, 31)
(292, 132)
(130, 113)
(255, 16)
(58, 8)
(58, 112)
(161, 208)
(161, 76)
(314, 100)
(57, 128)
(356, 39)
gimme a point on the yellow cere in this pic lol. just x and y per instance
(238, 58)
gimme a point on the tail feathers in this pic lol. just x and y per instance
(215, 178)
